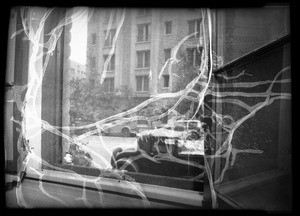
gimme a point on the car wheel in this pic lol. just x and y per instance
(126, 132)
(193, 136)
(114, 155)
(123, 165)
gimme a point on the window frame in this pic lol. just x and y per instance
(261, 180)
(143, 12)
(168, 81)
(167, 53)
(109, 41)
(195, 55)
(94, 39)
(166, 27)
(144, 59)
(146, 33)
(193, 27)
(112, 62)
(93, 62)
(111, 85)
(143, 78)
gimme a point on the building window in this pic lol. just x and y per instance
(93, 62)
(143, 59)
(94, 39)
(143, 33)
(142, 83)
(109, 85)
(94, 18)
(144, 11)
(168, 26)
(194, 27)
(167, 54)
(110, 14)
(166, 81)
(111, 63)
(193, 57)
(109, 38)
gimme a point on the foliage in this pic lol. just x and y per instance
(93, 103)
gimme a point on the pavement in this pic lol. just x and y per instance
(101, 147)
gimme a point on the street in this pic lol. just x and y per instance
(101, 147)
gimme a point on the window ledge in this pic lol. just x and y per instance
(147, 68)
(142, 42)
(107, 47)
(152, 192)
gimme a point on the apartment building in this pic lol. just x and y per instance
(77, 70)
(144, 41)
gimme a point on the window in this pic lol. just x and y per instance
(109, 85)
(110, 14)
(193, 57)
(93, 62)
(144, 11)
(94, 39)
(143, 33)
(109, 38)
(94, 18)
(111, 64)
(85, 134)
(167, 54)
(142, 83)
(143, 59)
(168, 26)
(194, 27)
(166, 81)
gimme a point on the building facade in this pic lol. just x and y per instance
(77, 70)
(143, 44)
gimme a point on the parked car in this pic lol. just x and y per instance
(78, 122)
(127, 127)
(163, 152)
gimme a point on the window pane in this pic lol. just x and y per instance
(191, 27)
(139, 83)
(94, 38)
(146, 29)
(106, 85)
(112, 81)
(229, 128)
(93, 62)
(140, 35)
(168, 27)
(147, 58)
(112, 62)
(166, 81)
(167, 54)
(140, 59)
(146, 83)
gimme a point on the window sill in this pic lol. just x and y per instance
(69, 182)
(142, 42)
(147, 68)
(107, 47)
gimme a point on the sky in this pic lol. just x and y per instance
(79, 40)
